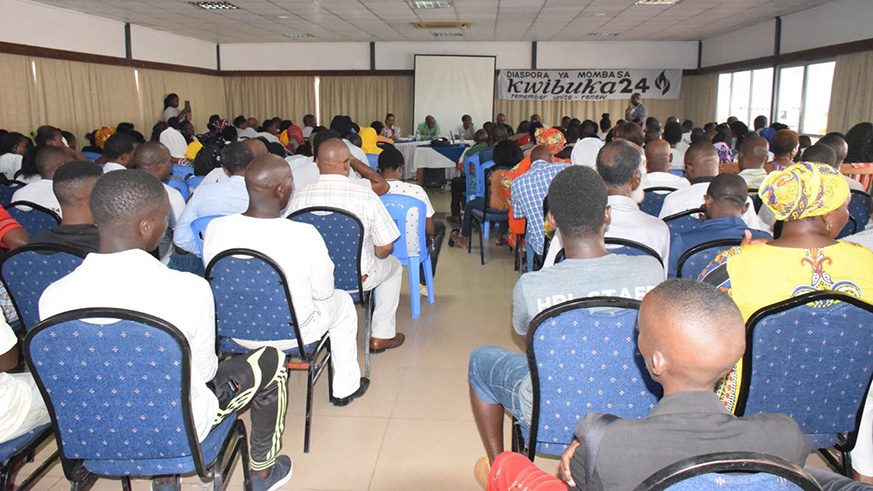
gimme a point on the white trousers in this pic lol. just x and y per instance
(337, 316)
(862, 455)
(37, 415)
(386, 277)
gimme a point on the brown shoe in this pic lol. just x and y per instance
(378, 345)
(481, 471)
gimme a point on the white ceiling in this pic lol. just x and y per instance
(491, 20)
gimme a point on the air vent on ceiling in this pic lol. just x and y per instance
(603, 34)
(657, 2)
(448, 35)
(298, 35)
(214, 5)
(441, 25)
(429, 4)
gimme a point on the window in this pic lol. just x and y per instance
(745, 94)
(817, 101)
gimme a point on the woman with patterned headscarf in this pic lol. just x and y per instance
(812, 200)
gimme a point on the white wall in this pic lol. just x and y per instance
(743, 44)
(164, 47)
(401, 56)
(35, 24)
(837, 22)
(295, 56)
(616, 54)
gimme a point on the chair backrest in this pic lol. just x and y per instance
(181, 187)
(6, 192)
(693, 261)
(343, 234)
(92, 156)
(583, 357)
(482, 187)
(631, 248)
(37, 219)
(252, 300)
(471, 164)
(118, 390)
(757, 202)
(747, 470)
(198, 228)
(373, 160)
(27, 271)
(400, 207)
(683, 221)
(797, 350)
(182, 171)
(654, 199)
(193, 182)
(859, 214)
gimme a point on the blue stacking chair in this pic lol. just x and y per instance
(683, 221)
(119, 396)
(92, 156)
(859, 214)
(37, 219)
(485, 216)
(654, 199)
(809, 357)
(252, 302)
(399, 207)
(198, 228)
(27, 271)
(182, 171)
(678, 172)
(373, 160)
(193, 181)
(15, 453)
(612, 378)
(6, 192)
(474, 185)
(343, 234)
(693, 261)
(181, 187)
(730, 471)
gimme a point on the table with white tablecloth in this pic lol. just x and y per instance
(416, 156)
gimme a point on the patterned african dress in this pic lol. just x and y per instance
(756, 276)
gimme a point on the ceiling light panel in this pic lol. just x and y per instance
(429, 4)
(214, 5)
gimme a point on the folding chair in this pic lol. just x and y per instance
(119, 396)
(252, 302)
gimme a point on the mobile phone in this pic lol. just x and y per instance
(187, 103)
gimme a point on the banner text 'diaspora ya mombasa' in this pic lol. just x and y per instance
(588, 84)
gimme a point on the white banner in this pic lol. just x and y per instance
(587, 85)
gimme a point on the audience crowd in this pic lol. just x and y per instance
(595, 209)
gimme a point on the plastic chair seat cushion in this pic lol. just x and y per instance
(157, 467)
(12, 447)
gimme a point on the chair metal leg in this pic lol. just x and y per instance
(125, 483)
(469, 239)
(482, 244)
(309, 384)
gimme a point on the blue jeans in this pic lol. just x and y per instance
(187, 263)
(502, 377)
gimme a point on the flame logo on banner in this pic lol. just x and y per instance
(662, 83)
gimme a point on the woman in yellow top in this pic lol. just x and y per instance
(368, 141)
(812, 200)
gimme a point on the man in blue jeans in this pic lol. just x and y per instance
(499, 379)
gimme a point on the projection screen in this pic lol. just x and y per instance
(449, 86)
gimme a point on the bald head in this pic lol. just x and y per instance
(334, 157)
(48, 159)
(658, 156)
(541, 152)
(753, 152)
(838, 145)
(269, 183)
(691, 334)
(257, 147)
(701, 160)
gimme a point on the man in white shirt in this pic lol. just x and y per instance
(380, 270)
(299, 250)
(391, 168)
(118, 151)
(130, 209)
(154, 158)
(23, 408)
(701, 167)
(466, 129)
(48, 159)
(659, 160)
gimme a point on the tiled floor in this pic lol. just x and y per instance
(413, 430)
